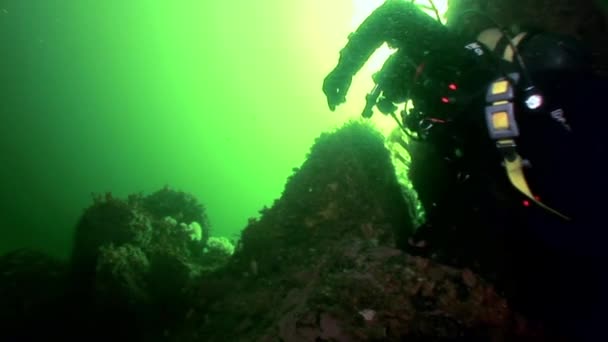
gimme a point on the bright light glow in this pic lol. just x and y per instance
(534, 101)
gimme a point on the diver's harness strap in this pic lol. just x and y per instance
(503, 129)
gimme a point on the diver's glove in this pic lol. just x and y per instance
(335, 86)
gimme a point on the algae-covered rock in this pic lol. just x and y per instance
(324, 264)
(134, 260)
(182, 207)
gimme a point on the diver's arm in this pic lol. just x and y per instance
(400, 23)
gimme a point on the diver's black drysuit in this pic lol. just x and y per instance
(557, 260)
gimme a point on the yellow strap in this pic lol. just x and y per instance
(492, 36)
(509, 53)
(516, 176)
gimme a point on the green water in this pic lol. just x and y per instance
(219, 99)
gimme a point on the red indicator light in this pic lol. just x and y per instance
(526, 203)
(445, 100)
(453, 86)
(537, 198)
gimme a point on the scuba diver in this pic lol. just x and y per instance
(506, 126)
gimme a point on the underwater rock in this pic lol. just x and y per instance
(134, 260)
(181, 206)
(109, 220)
(346, 187)
(328, 266)
(357, 292)
(327, 262)
(149, 222)
(121, 273)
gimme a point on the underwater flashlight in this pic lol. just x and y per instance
(534, 101)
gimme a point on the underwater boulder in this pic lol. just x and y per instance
(109, 220)
(324, 264)
(132, 263)
(182, 207)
